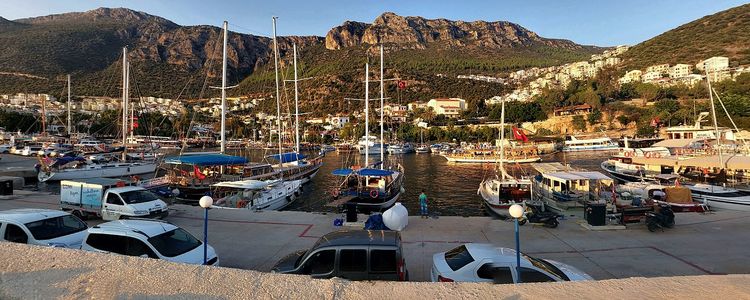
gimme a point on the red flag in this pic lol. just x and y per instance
(677, 182)
(401, 84)
(519, 134)
(198, 173)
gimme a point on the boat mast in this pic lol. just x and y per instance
(367, 115)
(278, 100)
(69, 127)
(502, 138)
(132, 113)
(224, 90)
(382, 112)
(124, 100)
(296, 102)
(44, 116)
(713, 113)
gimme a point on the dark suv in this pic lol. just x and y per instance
(353, 255)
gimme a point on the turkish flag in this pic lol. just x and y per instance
(401, 84)
(198, 173)
(519, 134)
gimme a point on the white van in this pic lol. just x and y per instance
(43, 227)
(110, 199)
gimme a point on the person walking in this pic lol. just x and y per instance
(423, 204)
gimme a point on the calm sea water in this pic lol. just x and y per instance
(450, 188)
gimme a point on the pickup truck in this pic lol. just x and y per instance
(109, 199)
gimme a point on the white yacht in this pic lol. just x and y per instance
(373, 146)
(400, 148)
(256, 194)
(573, 144)
(720, 197)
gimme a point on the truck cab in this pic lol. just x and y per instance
(110, 199)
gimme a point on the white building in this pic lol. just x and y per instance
(680, 70)
(632, 76)
(713, 64)
(450, 107)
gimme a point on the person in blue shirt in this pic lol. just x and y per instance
(423, 204)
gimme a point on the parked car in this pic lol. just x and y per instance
(5, 148)
(146, 238)
(353, 255)
(487, 263)
(29, 151)
(44, 227)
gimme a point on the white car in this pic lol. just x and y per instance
(5, 148)
(29, 151)
(487, 263)
(43, 227)
(146, 238)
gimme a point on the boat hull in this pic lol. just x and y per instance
(589, 148)
(106, 171)
(477, 160)
(722, 203)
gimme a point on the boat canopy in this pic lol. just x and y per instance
(287, 157)
(676, 143)
(363, 172)
(568, 176)
(736, 162)
(214, 159)
(246, 184)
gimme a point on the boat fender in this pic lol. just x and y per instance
(373, 193)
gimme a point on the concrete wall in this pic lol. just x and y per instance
(30, 272)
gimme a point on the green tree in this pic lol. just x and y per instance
(594, 117)
(579, 123)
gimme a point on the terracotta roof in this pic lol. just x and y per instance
(574, 107)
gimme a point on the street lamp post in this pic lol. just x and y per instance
(516, 211)
(205, 202)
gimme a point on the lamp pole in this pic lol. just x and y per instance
(516, 211)
(205, 202)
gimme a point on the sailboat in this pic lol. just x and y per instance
(294, 165)
(714, 196)
(501, 192)
(370, 188)
(65, 168)
(423, 148)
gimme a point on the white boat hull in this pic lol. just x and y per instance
(279, 197)
(723, 203)
(590, 148)
(98, 171)
(455, 159)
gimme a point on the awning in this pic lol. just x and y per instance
(663, 161)
(549, 167)
(246, 184)
(676, 143)
(730, 162)
(216, 159)
(564, 176)
(342, 172)
(287, 157)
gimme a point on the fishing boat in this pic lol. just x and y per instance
(87, 169)
(574, 144)
(502, 191)
(564, 190)
(622, 167)
(255, 194)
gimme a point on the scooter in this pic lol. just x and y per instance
(662, 218)
(537, 217)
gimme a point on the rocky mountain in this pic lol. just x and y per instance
(418, 33)
(726, 33)
(170, 60)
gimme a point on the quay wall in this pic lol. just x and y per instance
(31, 272)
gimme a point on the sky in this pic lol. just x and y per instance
(590, 22)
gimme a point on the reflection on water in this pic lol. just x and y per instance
(451, 188)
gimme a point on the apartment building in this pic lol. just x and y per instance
(450, 107)
(680, 70)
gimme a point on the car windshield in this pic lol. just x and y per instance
(133, 197)
(55, 227)
(547, 267)
(175, 242)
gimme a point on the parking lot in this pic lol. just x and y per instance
(700, 244)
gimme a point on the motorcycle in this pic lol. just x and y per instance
(534, 216)
(662, 217)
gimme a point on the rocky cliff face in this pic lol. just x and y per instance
(418, 32)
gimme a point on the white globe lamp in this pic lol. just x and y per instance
(516, 211)
(206, 201)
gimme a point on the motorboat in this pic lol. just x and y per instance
(423, 149)
(563, 190)
(400, 148)
(574, 144)
(720, 197)
(295, 166)
(256, 194)
(370, 189)
(370, 145)
(500, 193)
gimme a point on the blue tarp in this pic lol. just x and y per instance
(375, 222)
(214, 159)
(363, 172)
(287, 157)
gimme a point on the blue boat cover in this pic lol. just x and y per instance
(214, 159)
(363, 172)
(287, 157)
(375, 222)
